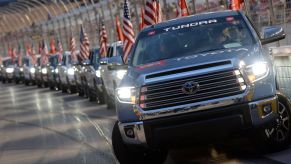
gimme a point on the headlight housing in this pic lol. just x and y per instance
(32, 70)
(9, 70)
(126, 95)
(98, 73)
(21, 69)
(56, 70)
(257, 71)
(44, 71)
(120, 73)
(71, 71)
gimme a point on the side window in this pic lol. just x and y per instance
(64, 60)
(109, 52)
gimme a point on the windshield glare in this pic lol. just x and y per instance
(227, 32)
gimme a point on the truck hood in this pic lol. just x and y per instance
(248, 54)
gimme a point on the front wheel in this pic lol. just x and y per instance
(276, 137)
(140, 155)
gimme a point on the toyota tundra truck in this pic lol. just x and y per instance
(196, 78)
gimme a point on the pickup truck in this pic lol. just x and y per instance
(111, 78)
(51, 72)
(7, 70)
(18, 72)
(66, 73)
(92, 78)
(29, 69)
(199, 79)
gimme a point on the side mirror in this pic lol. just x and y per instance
(272, 34)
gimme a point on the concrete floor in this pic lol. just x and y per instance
(41, 126)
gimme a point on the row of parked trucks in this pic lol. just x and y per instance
(68, 76)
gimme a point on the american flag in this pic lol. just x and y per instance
(127, 32)
(182, 9)
(84, 46)
(153, 12)
(19, 55)
(73, 48)
(52, 46)
(44, 53)
(60, 51)
(103, 40)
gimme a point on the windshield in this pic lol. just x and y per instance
(191, 38)
(53, 61)
(7, 62)
(119, 50)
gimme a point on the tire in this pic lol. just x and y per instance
(108, 101)
(16, 81)
(277, 136)
(9, 81)
(99, 96)
(3, 81)
(63, 88)
(26, 82)
(127, 155)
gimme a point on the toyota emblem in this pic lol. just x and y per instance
(190, 87)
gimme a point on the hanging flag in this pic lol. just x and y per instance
(150, 13)
(141, 23)
(153, 12)
(73, 48)
(44, 53)
(39, 47)
(33, 54)
(19, 55)
(14, 55)
(159, 16)
(118, 29)
(127, 32)
(60, 51)
(52, 46)
(84, 45)
(102, 40)
(182, 9)
(236, 4)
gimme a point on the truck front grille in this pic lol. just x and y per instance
(202, 88)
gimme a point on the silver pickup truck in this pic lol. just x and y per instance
(199, 79)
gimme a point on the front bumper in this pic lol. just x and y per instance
(201, 125)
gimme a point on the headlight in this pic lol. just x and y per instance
(121, 73)
(21, 69)
(257, 71)
(32, 70)
(71, 71)
(126, 95)
(9, 70)
(56, 70)
(98, 73)
(44, 71)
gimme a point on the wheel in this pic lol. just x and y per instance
(108, 101)
(38, 83)
(26, 82)
(16, 81)
(9, 81)
(277, 136)
(46, 84)
(92, 96)
(63, 88)
(134, 155)
(3, 81)
(99, 96)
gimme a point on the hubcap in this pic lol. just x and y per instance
(281, 130)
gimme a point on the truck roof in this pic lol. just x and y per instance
(196, 17)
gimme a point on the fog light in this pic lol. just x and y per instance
(267, 109)
(129, 132)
